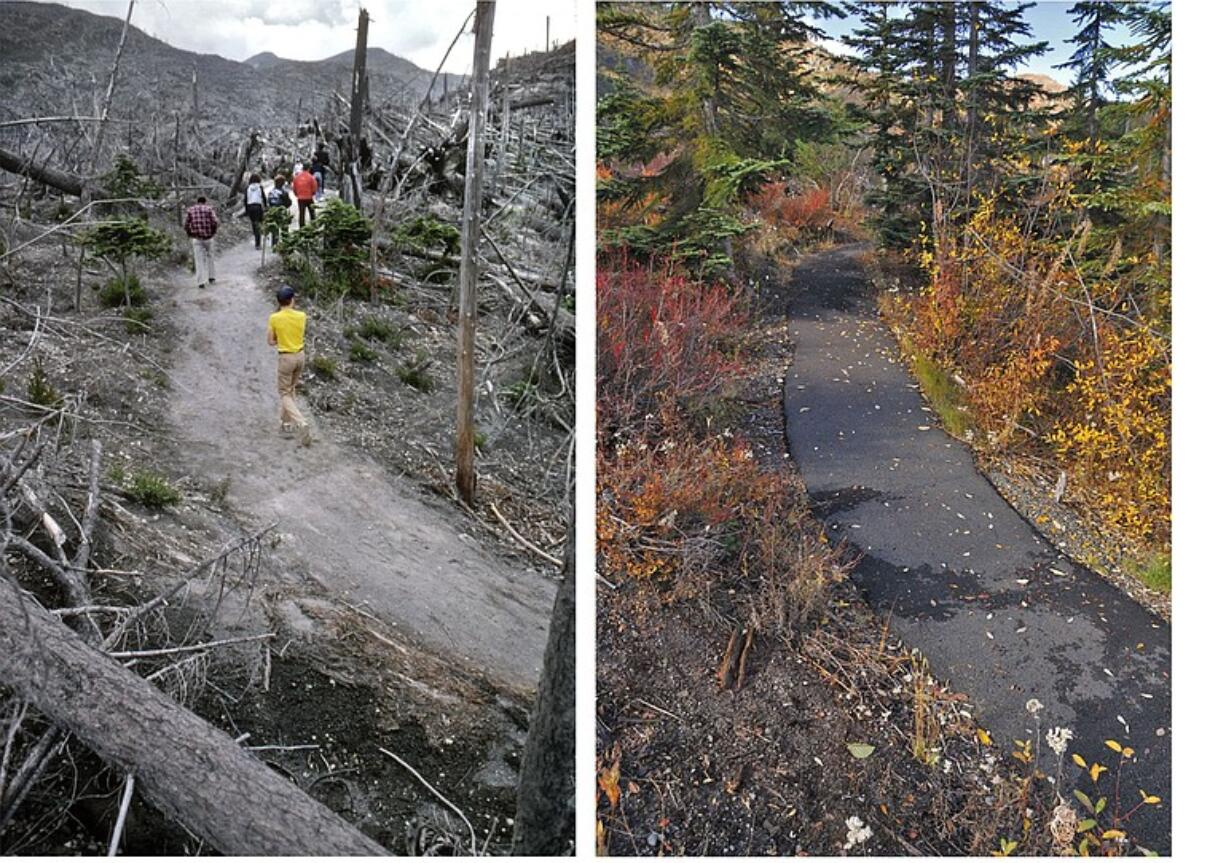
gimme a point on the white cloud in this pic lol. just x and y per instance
(418, 30)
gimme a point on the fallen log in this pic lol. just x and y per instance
(190, 770)
(62, 180)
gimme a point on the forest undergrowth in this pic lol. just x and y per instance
(727, 145)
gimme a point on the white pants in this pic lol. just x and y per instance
(203, 250)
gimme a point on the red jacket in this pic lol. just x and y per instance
(304, 186)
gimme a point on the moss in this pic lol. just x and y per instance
(943, 393)
(1154, 572)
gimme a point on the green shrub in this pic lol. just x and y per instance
(416, 377)
(360, 352)
(379, 330)
(121, 241)
(520, 391)
(149, 489)
(136, 319)
(40, 390)
(479, 440)
(120, 291)
(323, 366)
(277, 221)
(125, 181)
(334, 248)
(425, 233)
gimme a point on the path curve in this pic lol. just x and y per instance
(997, 609)
(367, 540)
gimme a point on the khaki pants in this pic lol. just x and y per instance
(289, 372)
(203, 252)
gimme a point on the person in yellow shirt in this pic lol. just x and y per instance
(286, 332)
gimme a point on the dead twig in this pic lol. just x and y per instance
(524, 542)
(435, 791)
(128, 784)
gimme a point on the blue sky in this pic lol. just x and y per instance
(1049, 21)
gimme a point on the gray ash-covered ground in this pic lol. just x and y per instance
(336, 678)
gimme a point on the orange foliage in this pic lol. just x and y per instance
(803, 214)
(1008, 315)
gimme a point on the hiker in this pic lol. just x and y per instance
(325, 162)
(278, 197)
(201, 225)
(286, 332)
(317, 173)
(304, 190)
(257, 203)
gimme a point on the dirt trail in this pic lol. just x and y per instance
(348, 525)
(997, 610)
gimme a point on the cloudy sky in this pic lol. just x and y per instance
(419, 30)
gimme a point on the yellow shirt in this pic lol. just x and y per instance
(289, 326)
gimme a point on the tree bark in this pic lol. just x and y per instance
(190, 770)
(65, 182)
(545, 813)
(356, 103)
(470, 238)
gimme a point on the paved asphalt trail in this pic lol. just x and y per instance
(996, 609)
(347, 525)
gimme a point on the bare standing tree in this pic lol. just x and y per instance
(470, 237)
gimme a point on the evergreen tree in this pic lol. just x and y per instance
(1092, 61)
(950, 118)
(730, 99)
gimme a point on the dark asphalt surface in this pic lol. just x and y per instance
(998, 611)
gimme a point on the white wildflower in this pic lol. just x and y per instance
(857, 833)
(1033, 706)
(1058, 738)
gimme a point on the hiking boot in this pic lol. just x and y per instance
(287, 429)
(304, 436)
(200, 286)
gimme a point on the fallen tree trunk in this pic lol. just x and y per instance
(187, 768)
(65, 182)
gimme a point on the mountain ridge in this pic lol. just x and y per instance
(54, 58)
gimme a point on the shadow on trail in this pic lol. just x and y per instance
(996, 609)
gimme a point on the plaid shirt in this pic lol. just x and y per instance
(201, 222)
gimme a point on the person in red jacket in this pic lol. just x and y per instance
(304, 190)
(201, 225)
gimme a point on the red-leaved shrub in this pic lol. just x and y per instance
(661, 339)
